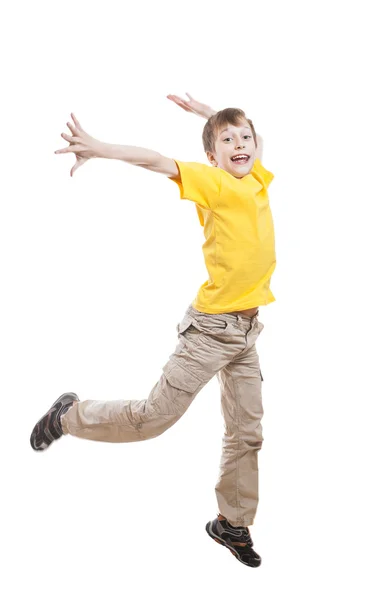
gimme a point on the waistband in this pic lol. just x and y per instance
(231, 317)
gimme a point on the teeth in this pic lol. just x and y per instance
(239, 157)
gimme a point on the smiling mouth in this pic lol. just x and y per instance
(240, 159)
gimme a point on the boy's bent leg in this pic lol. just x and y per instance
(130, 420)
(196, 359)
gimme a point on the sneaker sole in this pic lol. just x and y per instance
(223, 542)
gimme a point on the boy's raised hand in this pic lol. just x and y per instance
(191, 105)
(81, 143)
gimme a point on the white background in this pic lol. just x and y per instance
(98, 269)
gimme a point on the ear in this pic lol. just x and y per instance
(259, 148)
(211, 159)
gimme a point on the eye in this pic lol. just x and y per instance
(248, 136)
(227, 139)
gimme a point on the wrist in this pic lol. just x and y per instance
(209, 112)
(105, 150)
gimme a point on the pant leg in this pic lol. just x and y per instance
(201, 352)
(237, 489)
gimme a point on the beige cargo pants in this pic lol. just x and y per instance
(222, 345)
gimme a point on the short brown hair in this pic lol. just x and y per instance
(227, 116)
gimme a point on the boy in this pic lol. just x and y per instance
(218, 332)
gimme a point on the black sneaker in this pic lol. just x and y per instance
(48, 428)
(236, 539)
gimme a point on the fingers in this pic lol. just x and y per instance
(185, 106)
(76, 122)
(176, 99)
(180, 102)
(72, 128)
(74, 168)
(80, 161)
(71, 148)
(70, 139)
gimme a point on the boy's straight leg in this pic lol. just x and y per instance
(241, 404)
(202, 351)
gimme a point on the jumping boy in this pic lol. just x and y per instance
(218, 333)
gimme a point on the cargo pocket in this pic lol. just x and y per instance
(188, 330)
(184, 324)
(179, 378)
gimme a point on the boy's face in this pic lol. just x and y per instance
(232, 141)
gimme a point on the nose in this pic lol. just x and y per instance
(238, 147)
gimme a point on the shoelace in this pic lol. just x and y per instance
(247, 540)
(246, 535)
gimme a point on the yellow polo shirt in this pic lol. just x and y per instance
(239, 251)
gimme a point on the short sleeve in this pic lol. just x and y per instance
(266, 176)
(198, 183)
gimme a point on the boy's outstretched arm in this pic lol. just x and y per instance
(85, 147)
(205, 111)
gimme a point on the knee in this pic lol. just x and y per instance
(252, 436)
(253, 444)
(154, 427)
